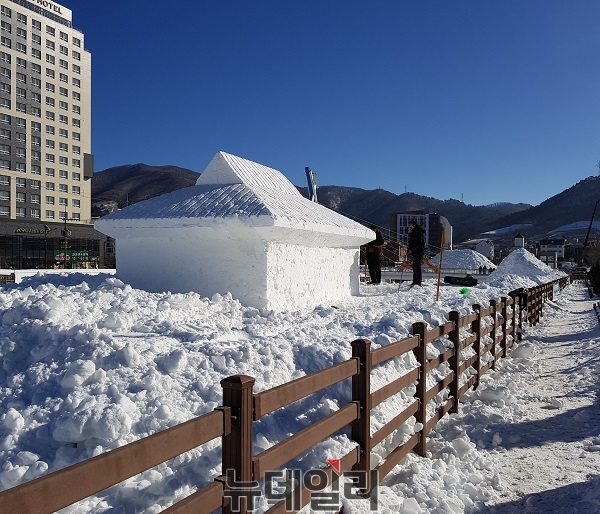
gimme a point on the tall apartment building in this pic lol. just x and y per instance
(46, 163)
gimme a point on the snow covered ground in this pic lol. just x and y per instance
(88, 364)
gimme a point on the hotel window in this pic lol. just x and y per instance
(21, 92)
(50, 59)
(21, 63)
(63, 64)
(6, 27)
(77, 42)
(50, 87)
(36, 24)
(50, 173)
(4, 195)
(6, 11)
(37, 69)
(49, 143)
(4, 57)
(34, 213)
(50, 215)
(35, 198)
(63, 161)
(63, 188)
(76, 55)
(4, 164)
(75, 216)
(76, 123)
(49, 129)
(75, 190)
(36, 97)
(64, 119)
(21, 122)
(63, 91)
(4, 41)
(5, 149)
(36, 155)
(63, 174)
(5, 87)
(49, 157)
(5, 72)
(5, 102)
(21, 48)
(50, 115)
(21, 107)
(76, 82)
(77, 177)
(76, 203)
(21, 77)
(21, 212)
(4, 211)
(63, 202)
(21, 33)
(36, 38)
(4, 180)
(76, 136)
(50, 73)
(63, 105)
(76, 150)
(21, 18)
(77, 109)
(38, 55)
(64, 36)
(49, 186)
(50, 30)
(36, 169)
(20, 182)
(4, 133)
(64, 78)
(21, 152)
(36, 111)
(63, 132)
(76, 68)
(21, 197)
(76, 96)
(63, 50)
(36, 126)
(20, 166)
(21, 137)
(36, 83)
(63, 147)
(76, 163)
(62, 215)
(36, 184)
(36, 140)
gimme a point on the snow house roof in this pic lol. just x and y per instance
(233, 188)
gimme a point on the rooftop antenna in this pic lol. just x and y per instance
(311, 178)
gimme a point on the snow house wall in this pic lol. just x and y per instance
(260, 273)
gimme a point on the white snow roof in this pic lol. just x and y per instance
(232, 187)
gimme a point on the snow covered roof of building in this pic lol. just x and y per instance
(235, 188)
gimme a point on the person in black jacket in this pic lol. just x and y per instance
(416, 248)
(373, 251)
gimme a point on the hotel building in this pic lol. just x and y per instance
(46, 164)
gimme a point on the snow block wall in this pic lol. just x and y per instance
(243, 229)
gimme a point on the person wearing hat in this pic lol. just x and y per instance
(416, 248)
(373, 251)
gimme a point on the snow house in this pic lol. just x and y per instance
(245, 229)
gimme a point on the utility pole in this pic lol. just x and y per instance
(66, 233)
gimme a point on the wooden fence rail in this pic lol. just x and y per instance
(473, 344)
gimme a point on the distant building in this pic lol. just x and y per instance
(552, 251)
(519, 241)
(433, 224)
(46, 164)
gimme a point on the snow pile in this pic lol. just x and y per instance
(463, 259)
(524, 268)
(88, 364)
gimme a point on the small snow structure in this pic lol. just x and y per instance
(242, 229)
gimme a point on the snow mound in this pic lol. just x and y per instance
(527, 267)
(469, 259)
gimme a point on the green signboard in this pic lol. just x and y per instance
(71, 255)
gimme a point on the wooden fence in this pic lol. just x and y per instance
(475, 343)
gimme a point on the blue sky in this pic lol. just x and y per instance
(481, 100)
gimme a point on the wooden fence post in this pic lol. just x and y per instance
(476, 329)
(237, 446)
(493, 304)
(454, 316)
(420, 329)
(361, 392)
(504, 341)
